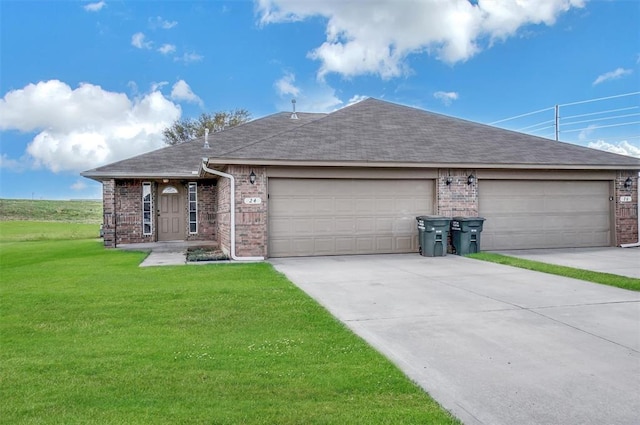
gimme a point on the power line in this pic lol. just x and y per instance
(601, 126)
(600, 98)
(535, 125)
(565, 104)
(601, 112)
(600, 119)
(523, 115)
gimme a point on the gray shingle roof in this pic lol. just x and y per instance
(371, 131)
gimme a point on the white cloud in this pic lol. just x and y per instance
(79, 185)
(446, 96)
(377, 37)
(159, 22)
(166, 49)
(356, 98)
(94, 7)
(182, 92)
(138, 40)
(586, 133)
(285, 85)
(189, 58)
(623, 148)
(85, 127)
(16, 165)
(612, 75)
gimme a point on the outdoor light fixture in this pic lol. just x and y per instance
(628, 183)
(471, 179)
(448, 181)
(252, 177)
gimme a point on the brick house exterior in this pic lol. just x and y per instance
(345, 183)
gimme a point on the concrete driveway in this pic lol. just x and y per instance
(492, 344)
(620, 261)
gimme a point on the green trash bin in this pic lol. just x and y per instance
(433, 232)
(465, 234)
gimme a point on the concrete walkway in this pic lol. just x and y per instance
(493, 344)
(620, 261)
(171, 253)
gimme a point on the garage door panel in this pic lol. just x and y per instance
(345, 216)
(544, 214)
(365, 225)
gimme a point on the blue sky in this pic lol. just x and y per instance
(84, 83)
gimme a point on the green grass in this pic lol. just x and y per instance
(623, 282)
(88, 337)
(88, 212)
(20, 231)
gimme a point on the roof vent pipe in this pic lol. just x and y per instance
(294, 116)
(232, 189)
(206, 138)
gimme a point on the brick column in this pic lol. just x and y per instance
(108, 213)
(626, 214)
(458, 198)
(251, 219)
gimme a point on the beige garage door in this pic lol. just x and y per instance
(544, 214)
(331, 217)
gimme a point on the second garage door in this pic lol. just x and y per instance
(310, 217)
(544, 214)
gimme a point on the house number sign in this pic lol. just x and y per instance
(625, 199)
(253, 201)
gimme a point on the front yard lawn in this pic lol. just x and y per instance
(88, 337)
(623, 282)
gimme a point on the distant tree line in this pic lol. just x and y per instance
(187, 129)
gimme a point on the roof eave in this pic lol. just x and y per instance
(380, 164)
(100, 176)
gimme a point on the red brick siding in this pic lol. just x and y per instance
(626, 213)
(207, 194)
(128, 202)
(457, 198)
(251, 219)
(223, 214)
(108, 213)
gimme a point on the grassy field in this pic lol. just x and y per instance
(88, 337)
(623, 282)
(82, 212)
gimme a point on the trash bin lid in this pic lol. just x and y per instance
(432, 217)
(469, 218)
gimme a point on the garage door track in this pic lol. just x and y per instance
(493, 344)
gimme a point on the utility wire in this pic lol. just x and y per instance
(601, 112)
(600, 98)
(601, 126)
(523, 115)
(600, 119)
(565, 104)
(535, 125)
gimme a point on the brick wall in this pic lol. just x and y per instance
(128, 216)
(458, 198)
(108, 213)
(251, 219)
(626, 212)
(122, 210)
(207, 211)
(223, 214)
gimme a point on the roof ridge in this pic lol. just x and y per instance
(270, 136)
(325, 115)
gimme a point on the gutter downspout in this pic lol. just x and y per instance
(233, 210)
(633, 245)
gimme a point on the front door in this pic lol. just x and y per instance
(171, 217)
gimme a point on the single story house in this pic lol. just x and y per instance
(352, 182)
